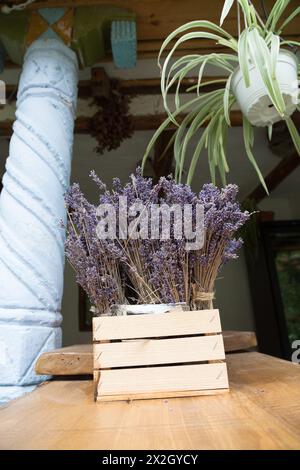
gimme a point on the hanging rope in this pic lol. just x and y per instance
(264, 9)
(6, 9)
(257, 15)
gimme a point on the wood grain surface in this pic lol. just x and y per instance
(261, 411)
(173, 323)
(166, 381)
(158, 351)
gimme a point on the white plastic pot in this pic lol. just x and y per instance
(254, 100)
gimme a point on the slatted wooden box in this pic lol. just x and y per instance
(173, 354)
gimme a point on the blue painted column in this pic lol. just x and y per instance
(31, 206)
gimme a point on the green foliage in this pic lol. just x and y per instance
(288, 270)
(259, 44)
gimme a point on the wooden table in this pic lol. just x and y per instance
(262, 411)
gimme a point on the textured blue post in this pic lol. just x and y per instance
(31, 206)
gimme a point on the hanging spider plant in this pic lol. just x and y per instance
(261, 77)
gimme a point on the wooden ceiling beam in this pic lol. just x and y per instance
(84, 125)
(282, 145)
(156, 19)
(284, 168)
(152, 85)
(153, 121)
(148, 54)
(145, 86)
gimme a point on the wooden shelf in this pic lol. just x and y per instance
(78, 359)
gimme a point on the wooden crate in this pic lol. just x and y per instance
(173, 354)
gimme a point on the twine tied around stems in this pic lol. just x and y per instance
(200, 296)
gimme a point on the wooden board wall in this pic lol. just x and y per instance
(157, 18)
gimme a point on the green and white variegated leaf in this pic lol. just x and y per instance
(208, 82)
(270, 131)
(205, 107)
(179, 75)
(182, 61)
(258, 45)
(187, 63)
(165, 125)
(275, 14)
(226, 9)
(195, 35)
(243, 55)
(193, 25)
(268, 38)
(224, 61)
(246, 11)
(248, 141)
(226, 100)
(288, 20)
(224, 144)
(253, 16)
(261, 57)
(290, 43)
(200, 74)
(294, 134)
(196, 154)
(275, 45)
(178, 143)
(184, 38)
(209, 139)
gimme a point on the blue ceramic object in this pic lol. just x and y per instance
(123, 43)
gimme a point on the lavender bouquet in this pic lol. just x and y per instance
(129, 266)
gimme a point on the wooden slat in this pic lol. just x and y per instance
(159, 351)
(162, 379)
(152, 395)
(78, 359)
(151, 326)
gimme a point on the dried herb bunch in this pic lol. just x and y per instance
(112, 122)
(160, 271)
(95, 262)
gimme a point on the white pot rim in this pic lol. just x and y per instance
(237, 75)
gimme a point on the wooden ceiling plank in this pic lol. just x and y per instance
(144, 86)
(157, 18)
(83, 125)
(284, 168)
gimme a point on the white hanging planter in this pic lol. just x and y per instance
(254, 100)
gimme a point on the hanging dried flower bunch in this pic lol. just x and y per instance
(112, 122)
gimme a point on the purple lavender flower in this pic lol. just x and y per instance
(154, 270)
